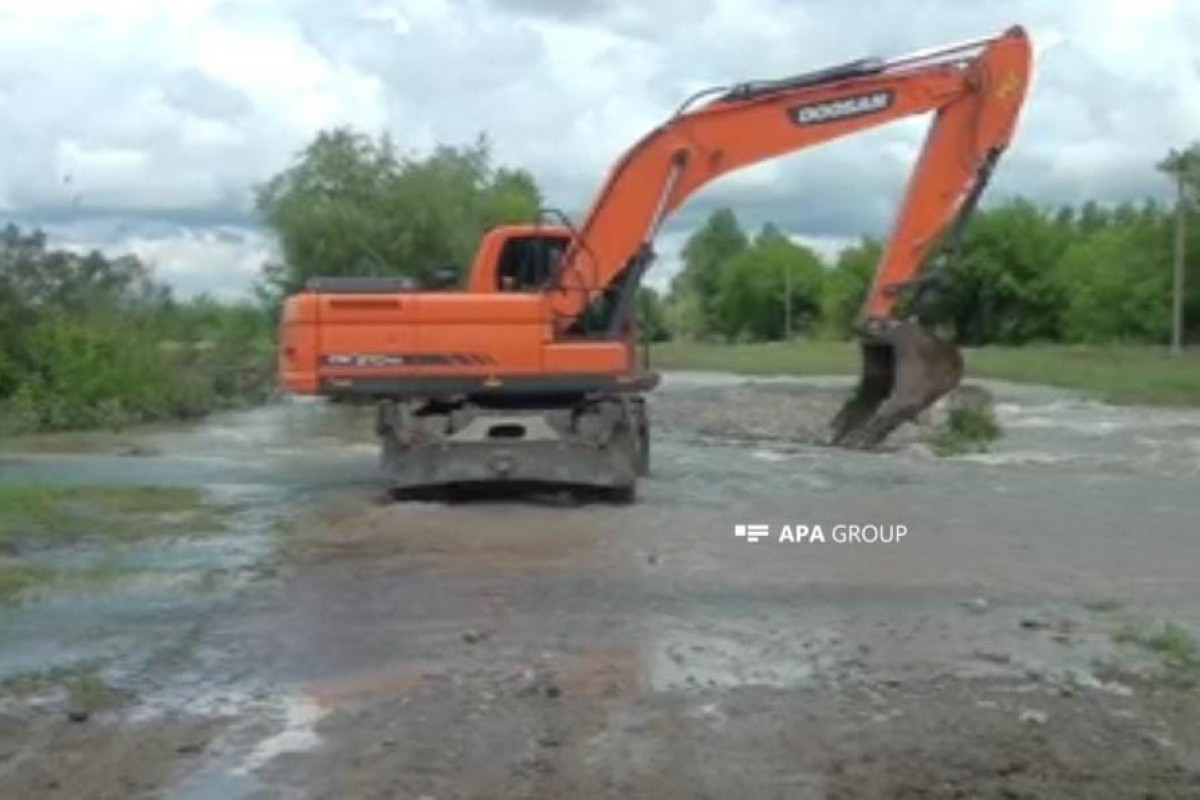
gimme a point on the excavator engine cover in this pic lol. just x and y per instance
(905, 370)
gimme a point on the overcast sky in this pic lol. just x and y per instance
(140, 125)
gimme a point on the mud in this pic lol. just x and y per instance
(358, 648)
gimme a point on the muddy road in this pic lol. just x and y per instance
(1032, 634)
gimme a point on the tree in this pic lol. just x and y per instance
(845, 287)
(88, 339)
(652, 318)
(715, 243)
(753, 288)
(351, 205)
(1116, 287)
(1001, 287)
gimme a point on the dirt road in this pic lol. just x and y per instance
(1030, 635)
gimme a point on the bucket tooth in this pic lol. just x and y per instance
(905, 370)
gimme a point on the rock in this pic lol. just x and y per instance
(474, 637)
(994, 658)
(1032, 716)
(139, 451)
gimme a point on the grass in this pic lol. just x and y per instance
(46, 514)
(1103, 605)
(17, 576)
(80, 686)
(36, 516)
(968, 429)
(1117, 374)
(1175, 646)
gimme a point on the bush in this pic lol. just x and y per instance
(968, 429)
(87, 341)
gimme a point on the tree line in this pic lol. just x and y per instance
(353, 205)
(88, 340)
(1021, 274)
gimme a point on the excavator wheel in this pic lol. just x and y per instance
(905, 370)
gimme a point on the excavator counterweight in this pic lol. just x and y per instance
(531, 372)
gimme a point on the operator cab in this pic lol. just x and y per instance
(518, 258)
(527, 263)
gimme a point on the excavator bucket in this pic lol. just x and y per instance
(905, 370)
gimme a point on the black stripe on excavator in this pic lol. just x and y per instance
(498, 385)
(853, 69)
(404, 359)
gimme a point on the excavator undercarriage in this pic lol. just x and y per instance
(599, 442)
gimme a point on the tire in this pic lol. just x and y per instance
(622, 495)
(641, 437)
(641, 461)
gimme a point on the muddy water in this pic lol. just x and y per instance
(280, 625)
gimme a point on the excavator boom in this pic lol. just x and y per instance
(975, 91)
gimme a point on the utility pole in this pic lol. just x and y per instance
(1182, 166)
(1180, 236)
(787, 302)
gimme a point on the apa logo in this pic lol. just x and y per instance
(841, 108)
(751, 533)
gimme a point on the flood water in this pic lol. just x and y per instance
(1079, 502)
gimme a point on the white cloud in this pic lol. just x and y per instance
(164, 115)
(220, 260)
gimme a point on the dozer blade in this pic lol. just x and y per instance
(905, 370)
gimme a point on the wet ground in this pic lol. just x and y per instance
(1030, 635)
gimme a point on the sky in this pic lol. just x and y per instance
(139, 126)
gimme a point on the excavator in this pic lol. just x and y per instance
(530, 372)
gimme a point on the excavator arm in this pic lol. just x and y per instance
(974, 90)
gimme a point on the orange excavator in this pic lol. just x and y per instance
(531, 372)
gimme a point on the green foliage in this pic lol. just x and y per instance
(18, 576)
(1175, 646)
(968, 429)
(1001, 288)
(35, 514)
(697, 286)
(753, 289)
(1114, 288)
(845, 287)
(351, 205)
(89, 341)
(652, 316)
(1022, 274)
